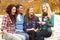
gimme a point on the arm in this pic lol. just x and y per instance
(52, 19)
(24, 26)
(51, 23)
(37, 23)
(4, 23)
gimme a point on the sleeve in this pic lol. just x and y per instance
(37, 24)
(52, 19)
(4, 23)
(51, 23)
(24, 26)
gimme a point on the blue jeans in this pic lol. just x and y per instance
(24, 34)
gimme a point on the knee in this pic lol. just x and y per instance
(48, 34)
(27, 36)
(39, 34)
(23, 37)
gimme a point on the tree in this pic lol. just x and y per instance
(45, 1)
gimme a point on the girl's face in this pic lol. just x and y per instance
(44, 8)
(31, 11)
(20, 9)
(13, 10)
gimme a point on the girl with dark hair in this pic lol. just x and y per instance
(19, 22)
(9, 18)
(8, 22)
(31, 25)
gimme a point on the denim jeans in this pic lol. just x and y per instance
(24, 34)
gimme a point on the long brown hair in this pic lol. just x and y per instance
(27, 15)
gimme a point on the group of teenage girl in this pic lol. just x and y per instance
(28, 25)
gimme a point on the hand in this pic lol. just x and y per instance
(43, 23)
(32, 29)
(36, 30)
(40, 22)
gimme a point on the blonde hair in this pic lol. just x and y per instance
(49, 10)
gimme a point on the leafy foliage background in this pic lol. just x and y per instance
(54, 4)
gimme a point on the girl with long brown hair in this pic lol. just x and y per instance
(31, 25)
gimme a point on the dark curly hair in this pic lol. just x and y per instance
(8, 11)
